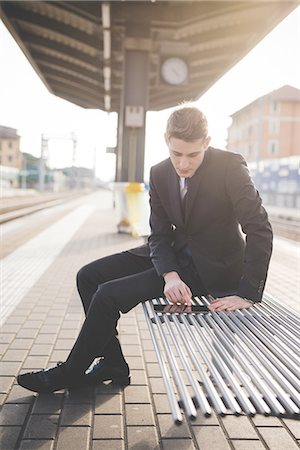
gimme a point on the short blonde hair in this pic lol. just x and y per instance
(187, 124)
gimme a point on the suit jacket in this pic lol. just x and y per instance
(221, 201)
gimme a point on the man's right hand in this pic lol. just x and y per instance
(176, 291)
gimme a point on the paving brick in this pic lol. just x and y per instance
(150, 356)
(127, 329)
(48, 404)
(10, 328)
(13, 414)
(147, 344)
(59, 355)
(35, 362)
(36, 444)
(32, 324)
(139, 414)
(76, 415)
(15, 355)
(210, 437)
(3, 348)
(145, 334)
(75, 438)
(153, 370)
(108, 444)
(135, 362)
(9, 437)
(19, 343)
(129, 339)
(137, 394)
(45, 339)
(264, 421)
(169, 430)
(178, 444)
(247, 445)
(138, 377)
(64, 344)
(277, 438)
(67, 334)
(7, 338)
(49, 329)
(157, 386)
(239, 427)
(142, 438)
(108, 427)
(131, 350)
(20, 395)
(202, 420)
(38, 316)
(41, 426)
(108, 404)
(15, 319)
(80, 396)
(108, 388)
(40, 349)
(8, 368)
(293, 426)
(70, 325)
(161, 403)
(6, 383)
(27, 333)
(2, 398)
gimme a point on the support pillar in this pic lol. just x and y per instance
(134, 105)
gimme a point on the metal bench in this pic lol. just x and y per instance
(242, 362)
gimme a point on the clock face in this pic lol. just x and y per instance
(174, 70)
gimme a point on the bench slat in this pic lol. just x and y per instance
(245, 361)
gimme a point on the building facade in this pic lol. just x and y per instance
(10, 156)
(267, 133)
(269, 127)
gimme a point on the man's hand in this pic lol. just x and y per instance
(176, 291)
(230, 303)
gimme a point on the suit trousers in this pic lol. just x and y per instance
(109, 286)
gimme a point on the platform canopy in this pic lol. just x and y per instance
(78, 47)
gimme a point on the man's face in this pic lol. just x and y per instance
(186, 157)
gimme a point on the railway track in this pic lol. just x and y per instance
(287, 227)
(13, 208)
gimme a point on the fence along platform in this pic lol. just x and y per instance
(242, 362)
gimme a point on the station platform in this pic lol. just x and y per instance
(41, 316)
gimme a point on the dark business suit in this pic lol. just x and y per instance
(201, 242)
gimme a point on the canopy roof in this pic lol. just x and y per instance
(65, 43)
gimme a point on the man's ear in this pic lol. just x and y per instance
(207, 141)
(166, 139)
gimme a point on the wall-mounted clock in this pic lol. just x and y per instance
(174, 70)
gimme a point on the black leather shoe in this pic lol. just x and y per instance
(48, 380)
(102, 371)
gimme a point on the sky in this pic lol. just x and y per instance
(25, 103)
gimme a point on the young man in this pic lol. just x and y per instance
(199, 198)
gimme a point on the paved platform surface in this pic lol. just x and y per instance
(44, 320)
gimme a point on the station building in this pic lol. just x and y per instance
(267, 133)
(10, 156)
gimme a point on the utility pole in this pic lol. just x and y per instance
(43, 159)
(94, 167)
(75, 181)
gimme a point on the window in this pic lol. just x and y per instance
(10, 145)
(273, 147)
(274, 126)
(274, 106)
